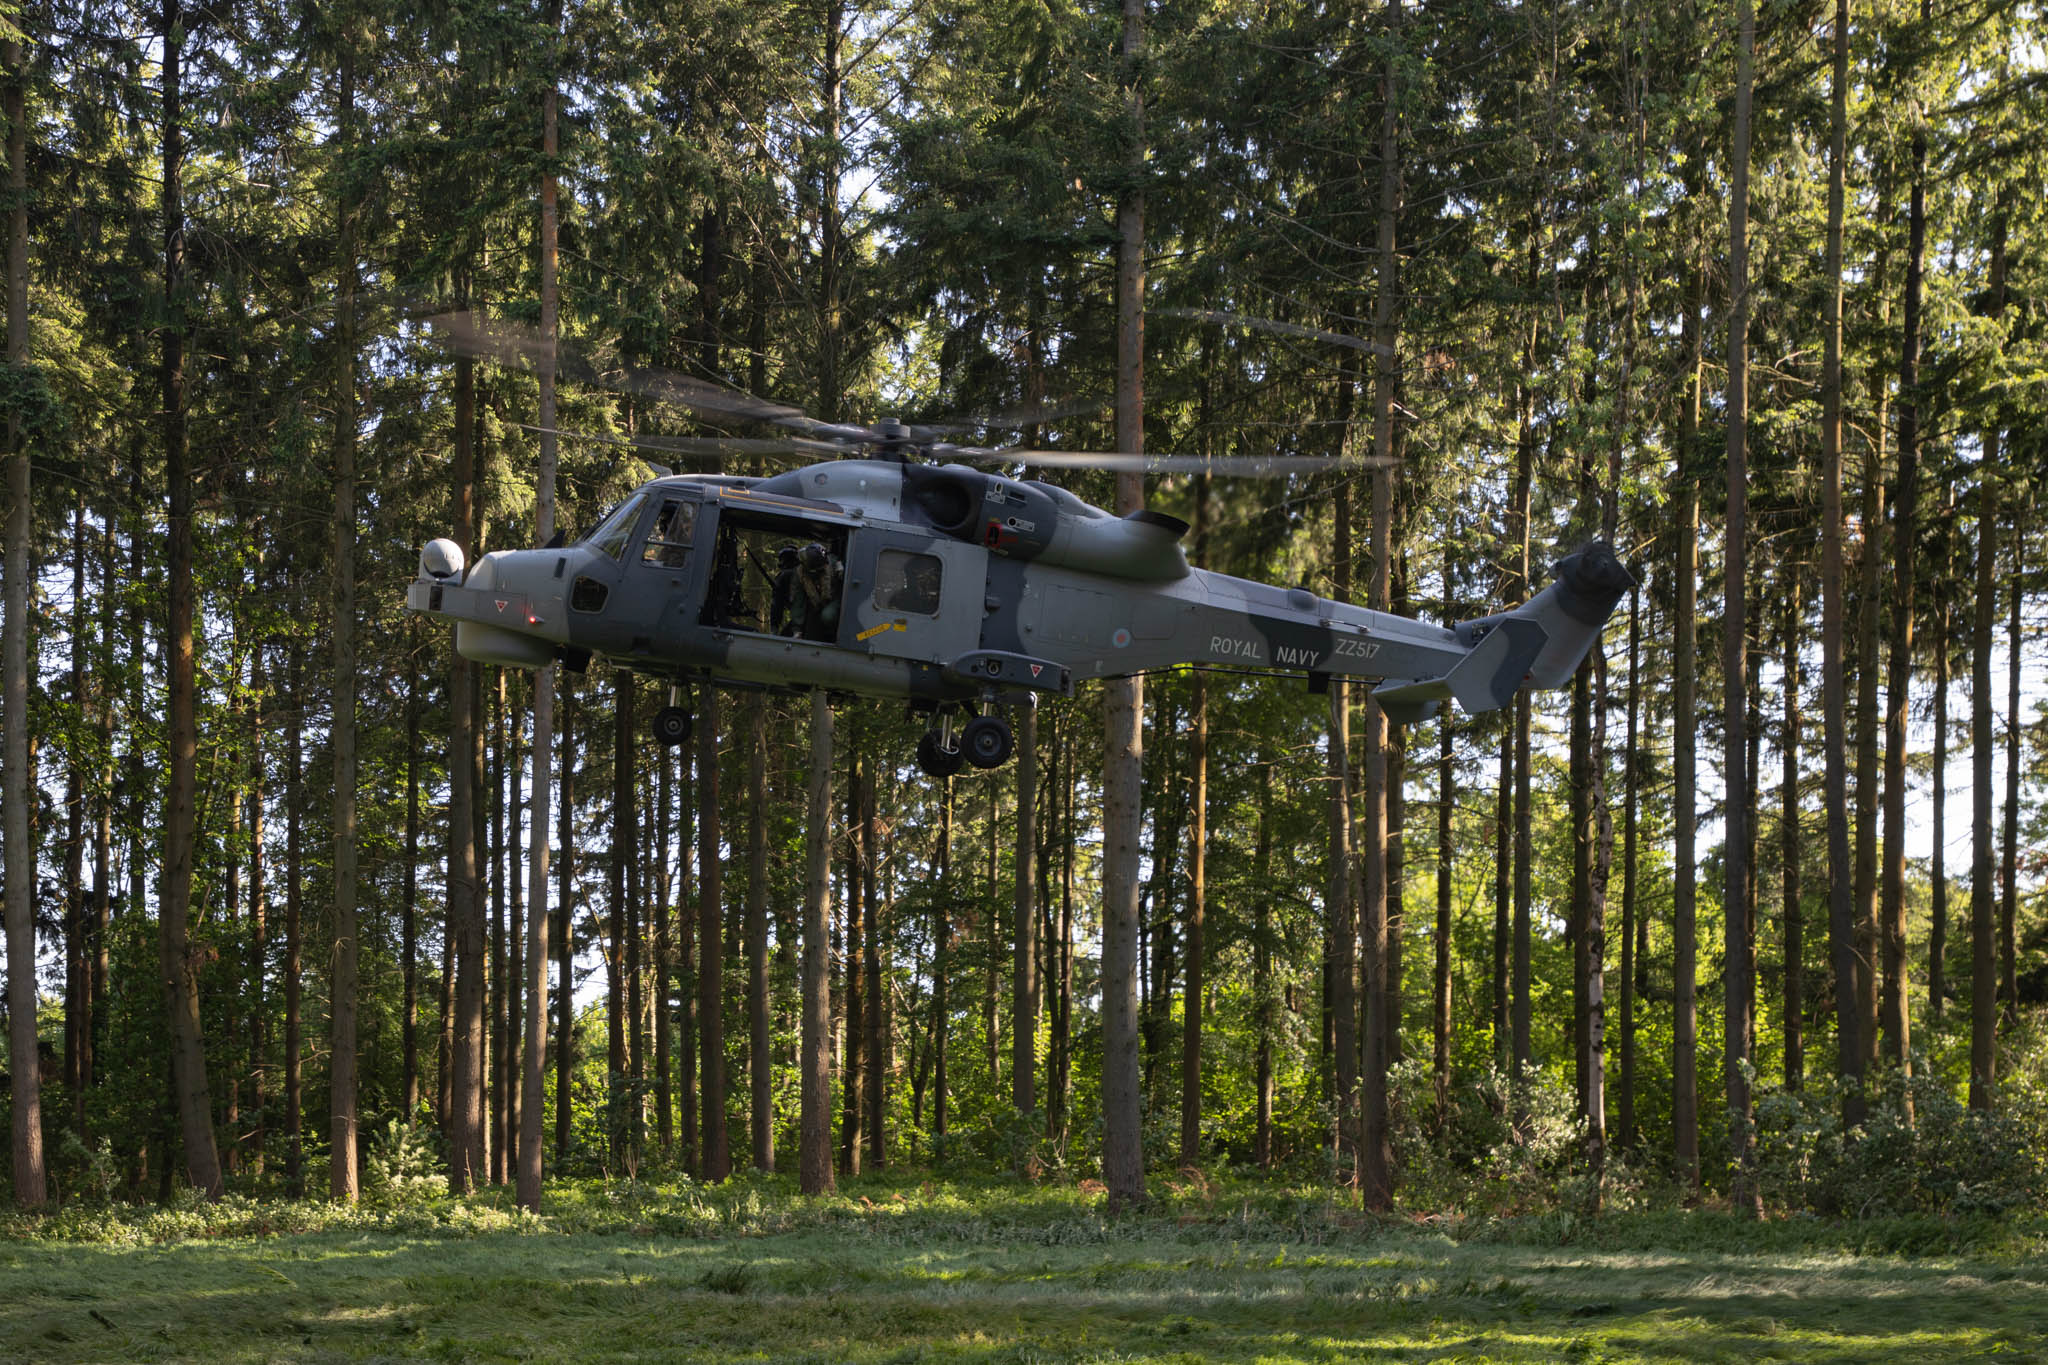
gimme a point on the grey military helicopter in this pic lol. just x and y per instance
(962, 591)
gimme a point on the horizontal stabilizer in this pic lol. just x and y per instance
(1406, 703)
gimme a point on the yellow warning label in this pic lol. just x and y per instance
(872, 631)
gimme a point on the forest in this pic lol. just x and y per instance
(302, 906)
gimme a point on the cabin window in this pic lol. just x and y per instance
(668, 544)
(611, 535)
(907, 582)
(588, 594)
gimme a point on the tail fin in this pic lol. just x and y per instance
(1538, 644)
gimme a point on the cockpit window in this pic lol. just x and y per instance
(611, 535)
(669, 542)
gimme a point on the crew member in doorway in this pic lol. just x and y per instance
(818, 580)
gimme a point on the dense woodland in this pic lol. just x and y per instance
(1755, 293)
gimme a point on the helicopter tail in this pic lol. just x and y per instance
(1539, 644)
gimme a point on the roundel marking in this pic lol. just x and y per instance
(1121, 638)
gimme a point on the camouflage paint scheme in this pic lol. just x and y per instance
(1040, 591)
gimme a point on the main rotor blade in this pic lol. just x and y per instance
(1222, 466)
(709, 446)
(517, 344)
(513, 343)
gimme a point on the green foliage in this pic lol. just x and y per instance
(402, 1166)
(1920, 1150)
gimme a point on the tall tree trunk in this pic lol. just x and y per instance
(1625, 1088)
(534, 1059)
(1381, 851)
(814, 1161)
(1440, 1013)
(341, 1029)
(294, 891)
(636, 936)
(1262, 972)
(1503, 890)
(259, 911)
(465, 1118)
(565, 929)
(515, 958)
(493, 845)
(1983, 867)
(1842, 948)
(662, 993)
(77, 985)
(105, 797)
(1024, 949)
(1123, 700)
(1739, 889)
(1937, 869)
(176, 956)
(942, 963)
(618, 931)
(759, 1039)
(31, 1187)
(992, 948)
(1896, 1006)
(1867, 722)
(853, 1052)
(686, 959)
(1685, 1113)
(1525, 459)
(1191, 1008)
(712, 1150)
(409, 917)
(1344, 890)
(1794, 932)
(874, 1029)
(1063, 1025)
(2008, 879)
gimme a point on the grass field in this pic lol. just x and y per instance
(1002, 1274)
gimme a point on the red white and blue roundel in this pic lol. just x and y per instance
(1121, 638)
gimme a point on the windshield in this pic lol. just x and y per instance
(611, 535)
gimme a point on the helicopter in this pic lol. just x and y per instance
(962, 591)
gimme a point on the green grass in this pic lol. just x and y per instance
(1000, 1273)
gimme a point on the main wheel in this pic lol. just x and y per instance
(987, 741)
(935, 759)
(673, 726)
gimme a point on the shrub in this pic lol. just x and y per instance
(1919, 1150)
(401, 1167)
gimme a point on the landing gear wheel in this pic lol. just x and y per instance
(986, 741)
(935, 759)
(673, 726)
